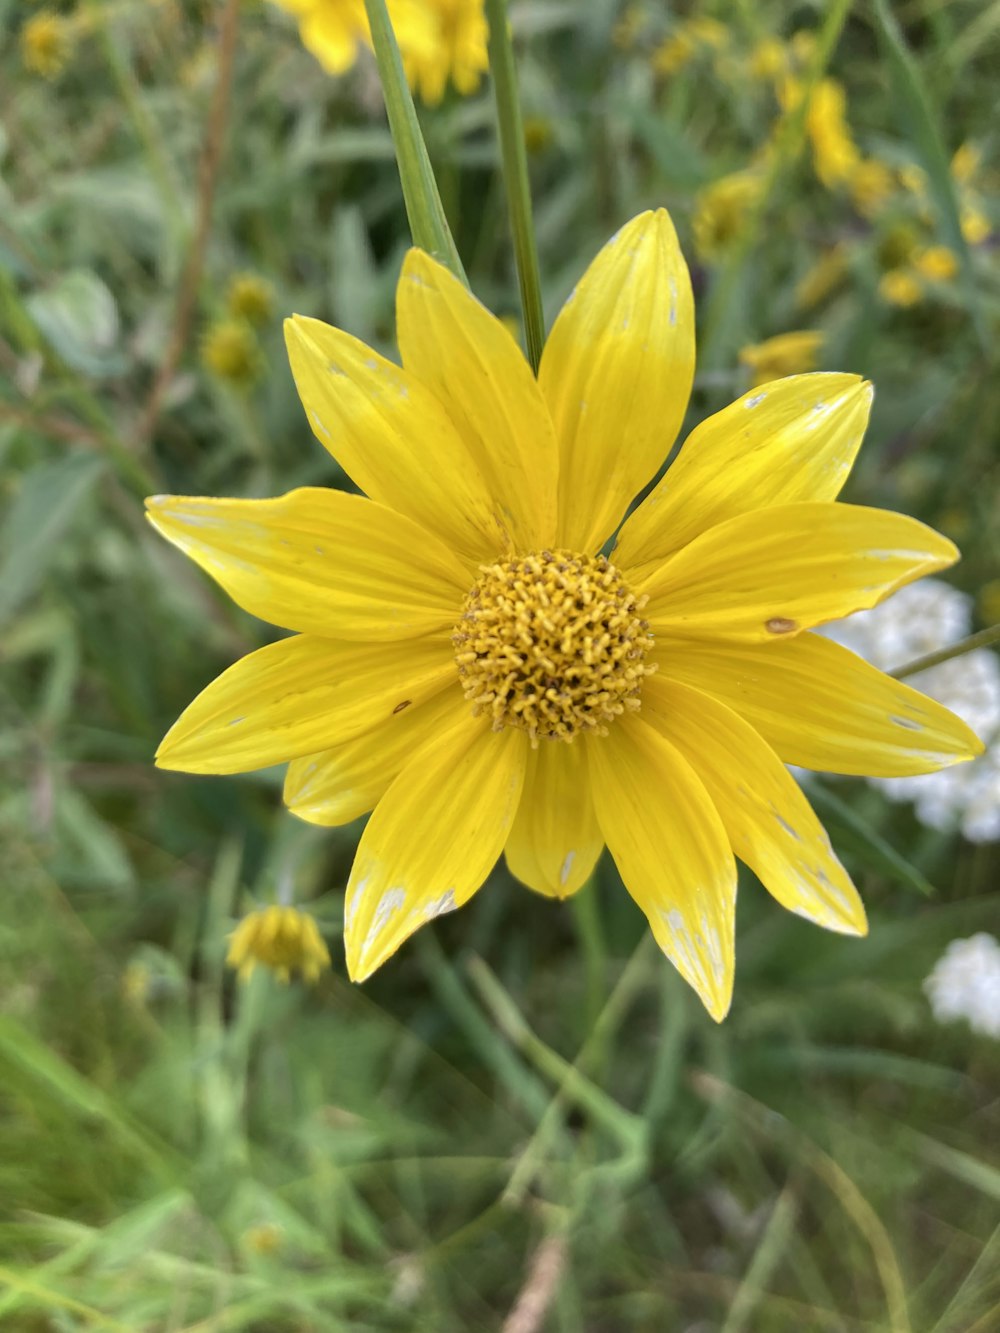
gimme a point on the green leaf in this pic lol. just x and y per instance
(50, 497)
(78, 317)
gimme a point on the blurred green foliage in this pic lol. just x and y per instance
(527, 1094)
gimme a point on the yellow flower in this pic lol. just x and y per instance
(457, 50)
(965, 163)
(673, 53)
(835, 154)
(251, 298)
(768, 59)
(467, 665)
(265, 1238)
(438, 39)
(282, 939)
(872, 184)
(976, 225)
(230, 350)
(937, 263)
(823, 278)
(721, 210)
(46, 44)
(901, 287)
(785, 354)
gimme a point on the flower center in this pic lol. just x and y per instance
(553, 643)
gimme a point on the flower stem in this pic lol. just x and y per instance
(981, 639)
(515, 175)
(428, 224)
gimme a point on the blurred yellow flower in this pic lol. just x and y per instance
(265, 1238)
(965, 163)
(721, 211)
(466, 663)
(937, 263)
(457, 51)
(438, 39)
(976, 226)
(823, 278)
(673, 53)
(900, 287)
(538, 133)
(250, 297)
(835, 154)
(687, 39)
(46, 44)
(872, 184)
(282, 939)
(231, 352)
(769, 59)
(785, 354)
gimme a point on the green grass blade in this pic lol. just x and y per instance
(428, 224)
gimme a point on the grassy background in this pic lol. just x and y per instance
(527, 1093)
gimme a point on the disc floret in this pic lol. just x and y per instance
(553, 643)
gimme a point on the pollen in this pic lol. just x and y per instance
(554, 644)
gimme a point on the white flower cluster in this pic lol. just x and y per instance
(965, 983)
(919, 619)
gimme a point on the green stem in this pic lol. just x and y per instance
(515, 176)
(981, 639)
(428, 224)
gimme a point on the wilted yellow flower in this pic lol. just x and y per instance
(721, 210)
(230, 350)
(457, 51)
(46, 44)
(468, 665)
(823, 278)
(872, 184)
(282, 939)
(785, 354)
(251, 298)
(937, 263)
(900, 287)
(835, 154)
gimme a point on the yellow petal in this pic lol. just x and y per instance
(319, 561)
(556, 840)
(433, 838)
(616, 373)
(338, 785)
(672, 853)
(392, 437)
(771, 573)
(795, 439)
(771, 825)
(822, 707)
(455, 347)
(300, 696)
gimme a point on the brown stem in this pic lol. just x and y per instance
(540, 1287)
(208, 175)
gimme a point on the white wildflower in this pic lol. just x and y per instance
(920, 619)
(965, 983)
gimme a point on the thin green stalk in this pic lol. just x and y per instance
(515, 176)
(981, 639)
(428, 224)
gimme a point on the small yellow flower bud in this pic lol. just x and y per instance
(282, 939)
(230, 351)
(786, 354)
(46, 45)
(250, 298)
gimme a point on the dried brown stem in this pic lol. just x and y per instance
(208, 175)
(540, 1287)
